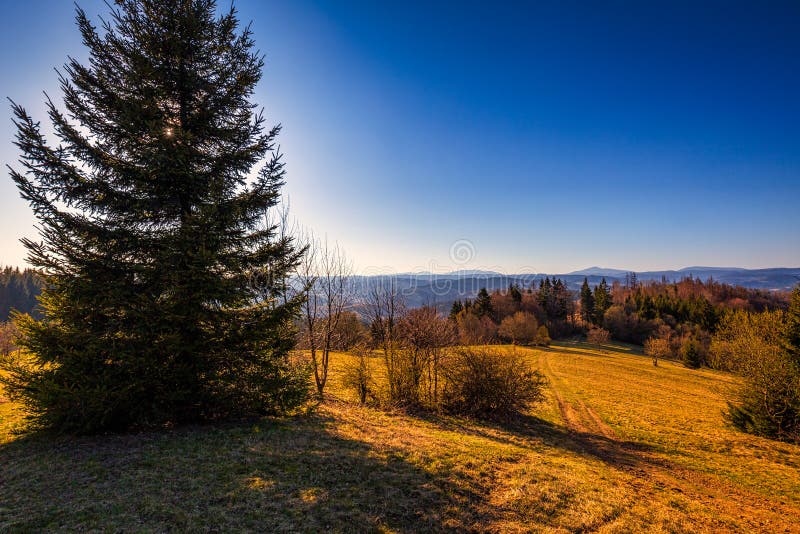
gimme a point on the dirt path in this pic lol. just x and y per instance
(653, 474)
(578, 416)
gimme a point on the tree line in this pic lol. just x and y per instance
(19, 290)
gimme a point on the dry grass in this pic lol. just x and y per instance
(618, 446)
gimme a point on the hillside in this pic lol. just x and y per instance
(421, 289)
(618, 446)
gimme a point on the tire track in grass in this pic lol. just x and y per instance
(653, 475)
(578, 416)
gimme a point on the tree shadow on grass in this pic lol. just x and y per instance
(273, 476)
(529, 431)
(592, 350)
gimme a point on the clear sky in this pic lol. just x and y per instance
(536, 136)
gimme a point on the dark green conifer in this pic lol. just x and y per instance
(483, 304)
(162, 298)
(602, 301)
(456, 308)
(691, 354)
(543, 296)
(516, 294)
(587, 302)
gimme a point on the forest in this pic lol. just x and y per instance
(18, 291)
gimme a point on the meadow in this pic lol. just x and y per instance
(617, 446)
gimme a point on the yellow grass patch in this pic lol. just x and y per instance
(618, 446)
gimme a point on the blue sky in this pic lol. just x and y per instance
(548, 135)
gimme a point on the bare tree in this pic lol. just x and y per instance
(424, 333)
(657, 348)
(325, 275)
(384, 306)
(598, 336)
(286, 229)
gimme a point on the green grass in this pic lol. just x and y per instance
(618, 446)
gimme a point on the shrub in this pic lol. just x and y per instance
(543, 336)
(484, 382)
(519, 328)
(657, 348)
(358, 375)
(597, 336)
(768, 403)
(739, 334)
(753, 345)
(474, 330)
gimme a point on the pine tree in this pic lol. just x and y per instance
(455, 309)
(163, 297)
(516, 294)
(691, 354)
(602, 301)
(483, 304)
(561, 298)
(543, 296)
(587, 302)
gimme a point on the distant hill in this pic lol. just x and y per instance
(600, 271)
(777, 278)
(442, 289)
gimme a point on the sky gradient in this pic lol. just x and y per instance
(541, 136)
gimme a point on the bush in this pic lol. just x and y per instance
(520, 328)
(657, 348)
(598, 336)
(753, 345)
(483, 382)
(742, 332)
(768, 403)
(474, 330)
(691, 354)
(358, 375)
(543, 336)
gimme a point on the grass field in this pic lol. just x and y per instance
(618, 446)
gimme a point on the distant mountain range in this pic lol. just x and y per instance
(775, 278)
(442, 289)
(600, 271)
